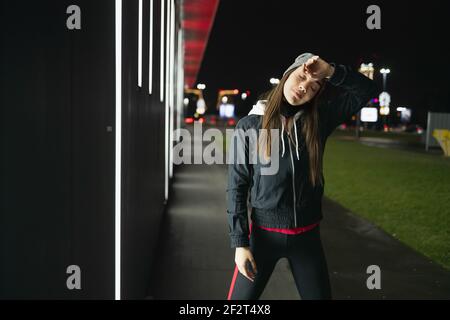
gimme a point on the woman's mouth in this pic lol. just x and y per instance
(297, 94)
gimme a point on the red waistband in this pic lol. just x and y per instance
(292, 230)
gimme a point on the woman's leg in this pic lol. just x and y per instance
(266, 247)
(308, 264)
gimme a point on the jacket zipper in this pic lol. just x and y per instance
(293, 182)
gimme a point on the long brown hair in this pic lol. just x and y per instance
(309, 130)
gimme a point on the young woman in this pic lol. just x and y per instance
(287, 205)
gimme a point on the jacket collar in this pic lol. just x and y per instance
(259, 109)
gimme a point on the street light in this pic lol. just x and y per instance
(385, 98)
(274, 81)
(384, 72)
(367, 70)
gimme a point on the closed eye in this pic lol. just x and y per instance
(316, 86)
(301, 76)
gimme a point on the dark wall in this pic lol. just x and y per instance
(57, 168)
(58, 157)
(143, 153)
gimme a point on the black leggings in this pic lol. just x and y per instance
(306, 258)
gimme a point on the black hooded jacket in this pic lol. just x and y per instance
(286, 199)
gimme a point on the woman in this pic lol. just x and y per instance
(286, 206)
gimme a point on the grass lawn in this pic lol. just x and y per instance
(405, 193)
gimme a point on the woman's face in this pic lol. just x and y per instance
(300, 88)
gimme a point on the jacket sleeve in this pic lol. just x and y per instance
(239, 178)
(357, 91)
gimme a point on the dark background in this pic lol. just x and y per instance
(57, 171)
(252, 41)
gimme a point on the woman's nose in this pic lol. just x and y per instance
(302, 88)
(305, 85)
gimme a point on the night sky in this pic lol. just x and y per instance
(252, 41)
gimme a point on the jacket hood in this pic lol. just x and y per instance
(259, 109)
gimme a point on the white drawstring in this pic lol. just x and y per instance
(296, 140)
(282, 139)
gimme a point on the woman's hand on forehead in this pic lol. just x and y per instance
(317, 68)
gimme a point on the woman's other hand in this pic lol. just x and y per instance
(244, 258)
(317, 68)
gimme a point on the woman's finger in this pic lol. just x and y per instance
(311, 65)
(254, 266)
(306, 66)
(249, 268)
(243, 270)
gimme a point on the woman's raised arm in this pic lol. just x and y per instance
(357, 91)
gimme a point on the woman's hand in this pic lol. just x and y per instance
(318, 68)
(244, 257)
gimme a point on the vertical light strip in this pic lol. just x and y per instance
(161, 63)
(167, 59)
(172, 51)
(180, 102)
(118, 164)
(172, 84)
(140, 45)
(150, 52)
(167, 110)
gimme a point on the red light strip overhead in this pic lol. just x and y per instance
(198, 17)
